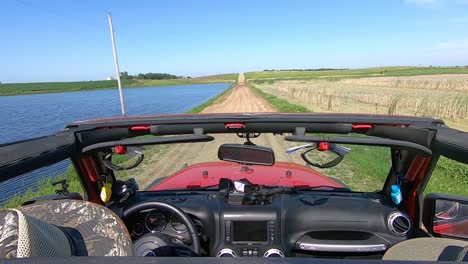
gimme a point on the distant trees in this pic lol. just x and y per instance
(124, 76)
(148, 76)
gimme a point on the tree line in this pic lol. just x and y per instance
(149, 76)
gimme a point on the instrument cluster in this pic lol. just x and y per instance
(163, 222)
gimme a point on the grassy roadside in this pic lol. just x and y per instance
(45, 187)
(280, 104)
(372, 164)
(57, 87)
(449, 177)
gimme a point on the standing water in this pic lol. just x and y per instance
(30, 116)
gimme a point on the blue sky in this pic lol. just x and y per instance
(65, 40)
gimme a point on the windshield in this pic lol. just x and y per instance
(196, 165)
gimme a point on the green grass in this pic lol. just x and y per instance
(369, 165)
(53, 87)
(56, 87)
(449, 177)
(230, 77)
(260, 77)
(45, 187)
(364, 169)
(280, 104)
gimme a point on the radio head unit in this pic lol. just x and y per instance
(250, 232)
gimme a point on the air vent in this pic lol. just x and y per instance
(399, 223)
(226, 253)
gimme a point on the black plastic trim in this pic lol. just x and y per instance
(364, 141)
(153, 141)
(25, 156)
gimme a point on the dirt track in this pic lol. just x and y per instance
(240, 99)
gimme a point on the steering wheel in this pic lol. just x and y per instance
(133, 209)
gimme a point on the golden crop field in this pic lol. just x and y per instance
(442, 96)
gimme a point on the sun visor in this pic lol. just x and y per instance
(20, 157)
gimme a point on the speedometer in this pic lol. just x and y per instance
(155, 221)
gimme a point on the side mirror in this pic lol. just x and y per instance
(246, 154)
(446, 215)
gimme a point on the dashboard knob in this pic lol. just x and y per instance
(226, 253)
(274, 253)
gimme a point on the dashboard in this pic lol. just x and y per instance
(309, 224)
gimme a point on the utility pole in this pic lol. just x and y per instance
(117, 69)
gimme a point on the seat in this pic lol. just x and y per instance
(62, 228)
(430, 249)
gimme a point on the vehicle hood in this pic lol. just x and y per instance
(280, 174)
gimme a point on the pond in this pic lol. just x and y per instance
(28, 116)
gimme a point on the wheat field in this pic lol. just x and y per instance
(439, 96)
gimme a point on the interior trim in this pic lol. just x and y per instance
(342, 248)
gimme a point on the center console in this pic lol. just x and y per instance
(255, 234)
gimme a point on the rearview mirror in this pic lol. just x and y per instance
(446, 215)
(247, 154)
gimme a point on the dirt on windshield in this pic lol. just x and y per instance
(165, 160)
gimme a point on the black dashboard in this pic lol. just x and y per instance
(306, 224)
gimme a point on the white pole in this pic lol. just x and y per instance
(117, 69)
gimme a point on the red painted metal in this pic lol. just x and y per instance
(280, 174)
(120, 150)
(323, 146)
(416, 172)
(140, 128)
(235, 125)
(456, 228)
(414, 169)
(361, 126)
(90, 175)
